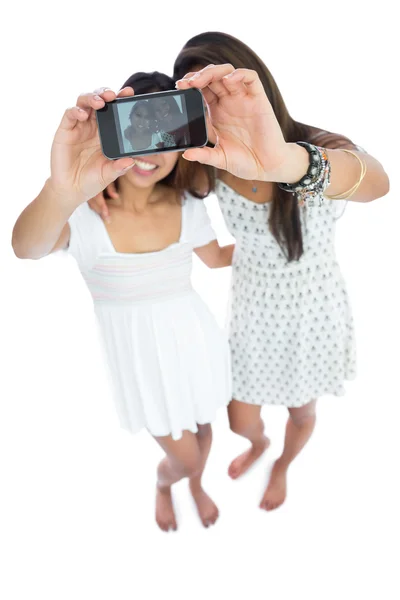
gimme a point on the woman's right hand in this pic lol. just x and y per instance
(99, 203)
(79, 169)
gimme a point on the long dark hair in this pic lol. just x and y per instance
(197, 179)
(220, 48)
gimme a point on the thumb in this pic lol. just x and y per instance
(215, 157)
(116, 168)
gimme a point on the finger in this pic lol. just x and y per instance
(211, 133)
(113, 169)
(215, 157)
(91, 101)
(126, 91)
(191, 74)
(106, 93)
(187, 76)
(208, 75)
(72, 116)
(233, 87)
(209, 96)
(249, 78)
(99, 205)
(216, 86)
(112, 191)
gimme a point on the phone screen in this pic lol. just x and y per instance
(152, 123)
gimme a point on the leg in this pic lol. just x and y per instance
(183, 459)
(207, 510)
(245, 420)
(299, 428)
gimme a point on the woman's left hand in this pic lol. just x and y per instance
(250, 142)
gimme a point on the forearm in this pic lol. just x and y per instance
(225, 257)
(345, 172)
(40, 225)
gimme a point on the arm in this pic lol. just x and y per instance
(251, 144)
(215, 256)
(345, 168)
(42, 227)
(79, 171)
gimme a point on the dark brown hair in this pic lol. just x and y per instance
(220, 48)
(197, 179)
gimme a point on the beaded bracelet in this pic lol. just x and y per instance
(316, 180)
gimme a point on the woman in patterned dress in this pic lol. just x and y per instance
(291, 327)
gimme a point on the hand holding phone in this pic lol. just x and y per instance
(79, 169)
(168, 121)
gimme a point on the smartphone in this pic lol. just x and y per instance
(152, 123)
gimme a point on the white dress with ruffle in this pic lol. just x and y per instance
(168, 359)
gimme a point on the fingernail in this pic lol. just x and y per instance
(195, 76)
(97, 97)
(127, 168)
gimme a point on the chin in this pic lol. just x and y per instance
(144, 182)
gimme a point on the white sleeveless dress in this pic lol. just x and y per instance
(168, 360)
(291, 325)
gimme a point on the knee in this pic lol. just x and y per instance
(246, 428)
(238, 426)
(204, 431)
(304, 415)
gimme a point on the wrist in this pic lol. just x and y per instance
(69, 199)
(294, 165)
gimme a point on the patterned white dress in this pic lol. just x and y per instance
(169, 362)
(291, 327)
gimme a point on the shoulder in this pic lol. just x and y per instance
(194, 210)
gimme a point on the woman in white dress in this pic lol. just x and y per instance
(169, 361)
(291, 327)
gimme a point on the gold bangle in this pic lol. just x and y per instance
(354, 188)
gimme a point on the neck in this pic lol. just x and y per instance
(135, 199)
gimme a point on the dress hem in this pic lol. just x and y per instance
(312, 396)
(175, 436)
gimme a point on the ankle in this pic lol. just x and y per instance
(281, 465)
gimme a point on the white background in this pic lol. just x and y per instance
(77, 499)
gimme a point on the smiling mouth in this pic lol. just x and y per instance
(145, 166)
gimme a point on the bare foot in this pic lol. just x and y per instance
(275, 493)
(242, 463)
(165, 515)
(207, 509)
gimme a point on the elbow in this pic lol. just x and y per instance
(19, 251)
(214, 265)
(22, 252)
(381, 188)
(385, 186)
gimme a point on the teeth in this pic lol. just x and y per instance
(145, 165)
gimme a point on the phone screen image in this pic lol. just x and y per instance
(152, 123)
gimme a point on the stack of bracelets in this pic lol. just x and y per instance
(316, 180)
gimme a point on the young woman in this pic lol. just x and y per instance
(169, 361)
(140, 134)
(171, 126)
(291, 331)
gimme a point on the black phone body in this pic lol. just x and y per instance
(151, 123)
